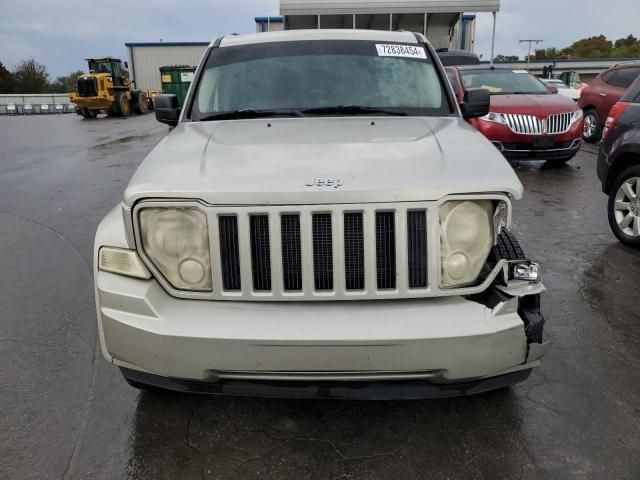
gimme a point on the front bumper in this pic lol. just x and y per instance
(396, 390)
(441, 342)
(522, 146)
(101, 102)
(560, 150)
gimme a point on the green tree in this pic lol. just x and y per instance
(31, 77)
(627, 47)
(6, 80)
(592, 47)
(506, 58)
(66, 84)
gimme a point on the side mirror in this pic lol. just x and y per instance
(126, 65)
(476, 103)
(167, 109)
(552, 89)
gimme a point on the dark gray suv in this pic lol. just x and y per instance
(619, 166)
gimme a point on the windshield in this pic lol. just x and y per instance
(295, 77)
(100, 66)
(503, 82)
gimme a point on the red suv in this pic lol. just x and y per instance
(602, 93)
(526, 119)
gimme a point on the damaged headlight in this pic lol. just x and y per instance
(176, 241)
(466, 238)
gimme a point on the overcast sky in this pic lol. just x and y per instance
(62, 33)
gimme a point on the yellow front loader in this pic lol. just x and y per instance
(107, 88)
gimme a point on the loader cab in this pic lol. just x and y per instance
(111, 66)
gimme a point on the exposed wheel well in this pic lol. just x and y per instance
(625, 161)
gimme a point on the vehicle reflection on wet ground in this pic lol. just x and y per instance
(66, 413)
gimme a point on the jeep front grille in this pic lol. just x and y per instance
(87, 87)
(322, 252)
(345, 251)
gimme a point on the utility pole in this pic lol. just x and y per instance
(530, 42)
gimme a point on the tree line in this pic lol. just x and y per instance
(593, 47)
(30, 76)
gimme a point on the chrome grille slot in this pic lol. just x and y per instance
(322, 251)
(417, 248)
(385, 250)
(260, 252)
(291, 252)
(353, 251)
(229, 253)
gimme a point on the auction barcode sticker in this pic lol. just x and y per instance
(408, 51)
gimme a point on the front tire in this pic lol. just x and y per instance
(623, 208)
(592, 129)
(122, 105)
(88, 113)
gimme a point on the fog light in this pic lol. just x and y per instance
(527, 271)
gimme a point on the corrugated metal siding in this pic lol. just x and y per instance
(323, 7)
(147, 60)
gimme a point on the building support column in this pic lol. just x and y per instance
(493, 38)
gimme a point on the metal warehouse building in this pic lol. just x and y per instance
(145, 60)
(443, 21)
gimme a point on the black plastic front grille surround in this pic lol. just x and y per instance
(322, 251)
(291, 252)
(385, 250)
(229, 253)
(353, 251)
(417, 248)
(260, 252)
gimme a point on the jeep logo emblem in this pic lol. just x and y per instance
(324, 182)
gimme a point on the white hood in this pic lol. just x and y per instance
(272, 161)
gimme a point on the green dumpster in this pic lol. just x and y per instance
(176, 79)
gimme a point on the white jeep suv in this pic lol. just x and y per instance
(320, 221)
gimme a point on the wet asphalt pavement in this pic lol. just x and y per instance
(66, 413)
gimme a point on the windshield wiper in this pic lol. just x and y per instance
(247, 113)
(352, 110)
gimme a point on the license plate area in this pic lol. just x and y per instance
(543, 142)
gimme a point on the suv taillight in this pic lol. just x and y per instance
(615, 112)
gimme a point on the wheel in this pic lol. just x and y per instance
(139, 102)
(592, 129)
(624, 207)
(507, 248)
(88, 113)
(122, 105)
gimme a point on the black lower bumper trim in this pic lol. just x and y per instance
(381, 390)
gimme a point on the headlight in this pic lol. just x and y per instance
(466, 237)
(176, 240)
(493, 117)
(577, 116)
